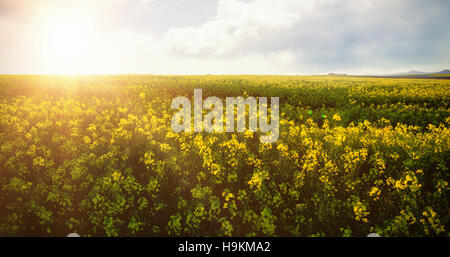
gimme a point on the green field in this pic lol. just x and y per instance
(96, 155)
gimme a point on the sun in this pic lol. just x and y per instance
(67, 42)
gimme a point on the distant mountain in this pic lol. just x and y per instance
(443, 72)
(414, 72)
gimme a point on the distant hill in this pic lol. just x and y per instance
(443, 72)
(414, 72)
(336, 74)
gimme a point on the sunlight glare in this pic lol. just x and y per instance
(67, 43)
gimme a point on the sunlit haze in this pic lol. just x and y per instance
(67, 43)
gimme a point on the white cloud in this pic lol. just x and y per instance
(235, 24)
(318, 35)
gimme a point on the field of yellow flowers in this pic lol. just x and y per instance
(96, 155)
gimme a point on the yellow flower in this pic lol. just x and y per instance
(336, 117)
(116, 175)
(86, 140)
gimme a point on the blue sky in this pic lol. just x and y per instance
(223, 37)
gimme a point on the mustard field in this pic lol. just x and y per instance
(96, 155)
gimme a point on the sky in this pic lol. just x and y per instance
(223, 37)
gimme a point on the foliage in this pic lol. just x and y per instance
(96, 155)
